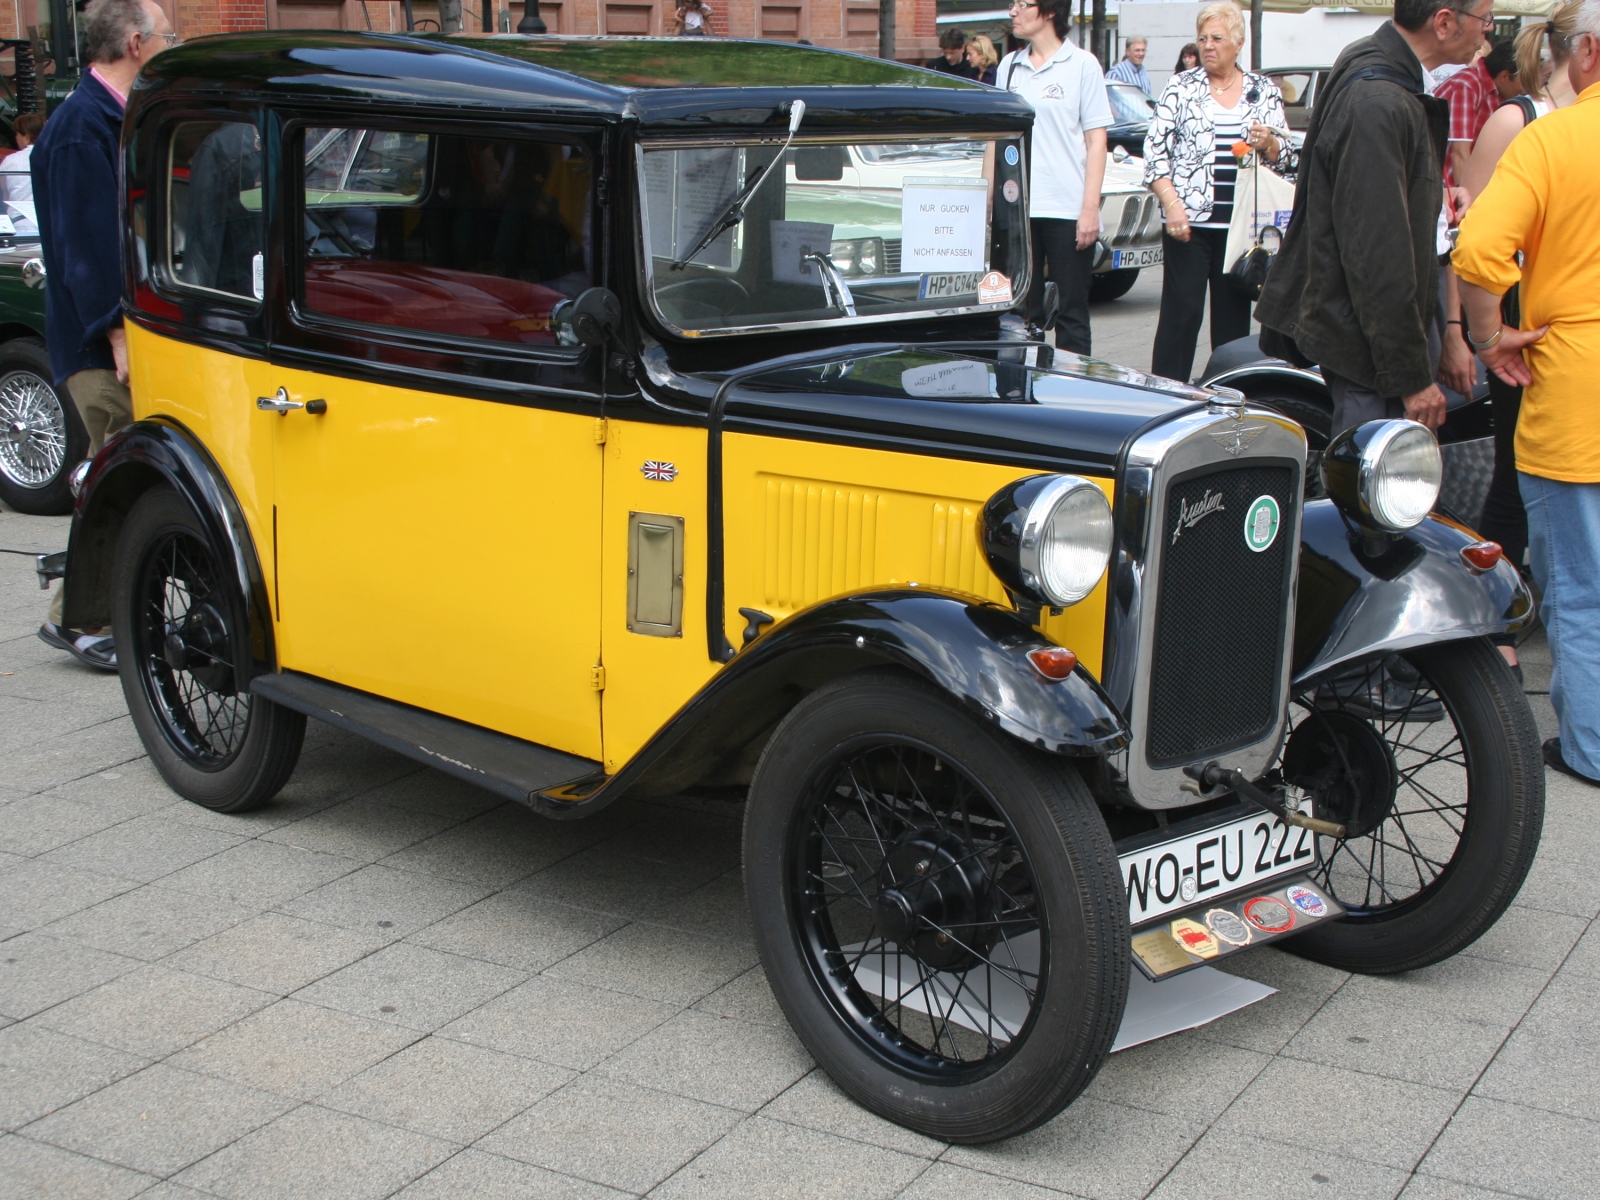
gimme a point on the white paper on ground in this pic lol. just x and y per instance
(992, 1001)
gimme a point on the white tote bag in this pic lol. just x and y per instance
(1261, 198)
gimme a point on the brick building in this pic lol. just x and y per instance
(840, 24)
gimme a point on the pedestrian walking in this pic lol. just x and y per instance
(982, 58)
(1540, 204)
(1355, 287)
(952, 56)
(1188, 58)
(80, 224)
(1130, 69)
(1067, 90)
(1190, 165)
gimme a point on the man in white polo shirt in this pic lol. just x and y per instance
(1068, 93)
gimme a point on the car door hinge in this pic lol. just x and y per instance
(597, 678)
(601, 431)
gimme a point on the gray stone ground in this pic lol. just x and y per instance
(388, 983)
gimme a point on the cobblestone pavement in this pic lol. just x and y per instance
(387, 982)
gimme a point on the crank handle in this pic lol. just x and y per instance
(1210, 775)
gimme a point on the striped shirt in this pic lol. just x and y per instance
(1228, 125)
(1125, 71)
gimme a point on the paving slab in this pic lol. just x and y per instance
(715, 1059)
(784, 1162)
(1426, 1187)
(1243, 1168)
(815, 1102)
(567, 1024)
(34, 892)
(715, 910)
(159, 1120)
(517, 930)
(1524, 1151)
(38, 971)
(153, 1010)
(612, 1132)
(448, 1089)
(277, 953)
(360, 829)
(316, 1152)
(412, 986)
(749, 998)
(145, 848)
(945, 1181)
(474, 1175)
(1527, 937)
(150, 923)
(294, 1049)
(1182, 1076)
(30, 1170)
(613, 882)
(496, 848)
(260, 874)
(378, 897)
(658, 963)
(40, 822)
(41, 1071)
(1552, 1059)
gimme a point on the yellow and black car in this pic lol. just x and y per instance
(586, 417)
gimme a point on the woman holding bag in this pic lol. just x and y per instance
(1190, 165)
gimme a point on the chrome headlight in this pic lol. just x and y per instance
(1048, 538)
(1386, 474)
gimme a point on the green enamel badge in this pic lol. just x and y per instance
(1261, 523)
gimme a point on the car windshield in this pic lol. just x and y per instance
(17, 219)
(1129, 105)
(845, 232)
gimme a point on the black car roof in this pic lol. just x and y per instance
(681, 84)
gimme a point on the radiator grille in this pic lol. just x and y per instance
(1217, 659)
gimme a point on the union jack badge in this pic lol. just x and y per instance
(661, 472)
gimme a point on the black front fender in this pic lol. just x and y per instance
(972, 650)
(159, 453)
(1354, 604)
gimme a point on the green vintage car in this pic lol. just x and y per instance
(41, 435)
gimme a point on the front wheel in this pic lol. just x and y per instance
(937, 908)
(41, 435)
(1112, 285)
(172, 613)
(1432, 762)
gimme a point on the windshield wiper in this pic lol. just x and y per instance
(734, 213)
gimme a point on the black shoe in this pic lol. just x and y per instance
(92, 649)
(1553, 760)
(1380, 698)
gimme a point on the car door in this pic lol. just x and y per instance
(437, 474)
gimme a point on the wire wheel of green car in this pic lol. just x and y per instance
(937, 907)
(1432, 762)
(174, 611)
(41, 434)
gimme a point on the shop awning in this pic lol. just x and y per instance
(1502, 8)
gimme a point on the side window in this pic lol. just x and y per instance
(214, 218)
(444, 234)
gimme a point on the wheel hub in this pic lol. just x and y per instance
(200, 647)
(934, 900)
(1347, 765)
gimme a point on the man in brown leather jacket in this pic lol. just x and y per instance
(1356, 284)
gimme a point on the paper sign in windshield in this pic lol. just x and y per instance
(685, 191)
(949, 381)
(791, 242)
(944, 225)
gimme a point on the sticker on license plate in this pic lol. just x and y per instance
(1212, 863)
(937, 287)
(1148, 256)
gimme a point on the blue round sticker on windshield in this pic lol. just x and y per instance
(1011, 156)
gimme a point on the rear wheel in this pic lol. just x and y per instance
(1112, 285)
(937, 908)
(1439, 781)
(172, 614)
(41, 435)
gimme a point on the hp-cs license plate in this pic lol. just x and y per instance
(938, 287)
(1206, 865)
(1147, 256)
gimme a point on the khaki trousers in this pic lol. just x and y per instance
(105, 406)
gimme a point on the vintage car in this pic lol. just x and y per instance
(41, 435)
(1299, 86)
(499, 402)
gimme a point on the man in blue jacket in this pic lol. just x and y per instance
(80, 221)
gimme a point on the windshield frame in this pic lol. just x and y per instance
(647, 274)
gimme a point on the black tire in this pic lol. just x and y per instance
(1112, 285)
(1017, 844)
(1316, 419)
(36, 459)
(171, 611)
(1455, 843)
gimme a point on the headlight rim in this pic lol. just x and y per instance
(1013, 528)
(1350, 470)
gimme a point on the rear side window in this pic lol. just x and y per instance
(443, 234)
(215, 236)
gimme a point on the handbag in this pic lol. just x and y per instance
(1249, 273)
(1247, 253)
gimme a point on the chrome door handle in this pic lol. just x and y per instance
(281, 404)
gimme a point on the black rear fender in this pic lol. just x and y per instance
(160, 453)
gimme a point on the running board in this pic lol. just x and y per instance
(504, 765)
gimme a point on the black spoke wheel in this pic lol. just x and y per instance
(1432, 762)
(173, 615)
(937, 908)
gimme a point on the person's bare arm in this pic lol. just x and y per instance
(1497, 133)
(1177, 215)
(1459, 153)
(1457, 369)
(1094, 176)
(1504, 358)
(119, 351)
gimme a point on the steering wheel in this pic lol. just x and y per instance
(705, 291)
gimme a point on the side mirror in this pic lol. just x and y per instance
(819, 164)
(596, 315)
(1050, 307)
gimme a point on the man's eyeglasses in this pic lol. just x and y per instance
(1486, 22)
(172, 38)
(1019, 5)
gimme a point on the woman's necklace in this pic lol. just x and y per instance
(1219, 92)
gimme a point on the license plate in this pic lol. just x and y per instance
(1147, 256)
(937, 287)
(1218, 861)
